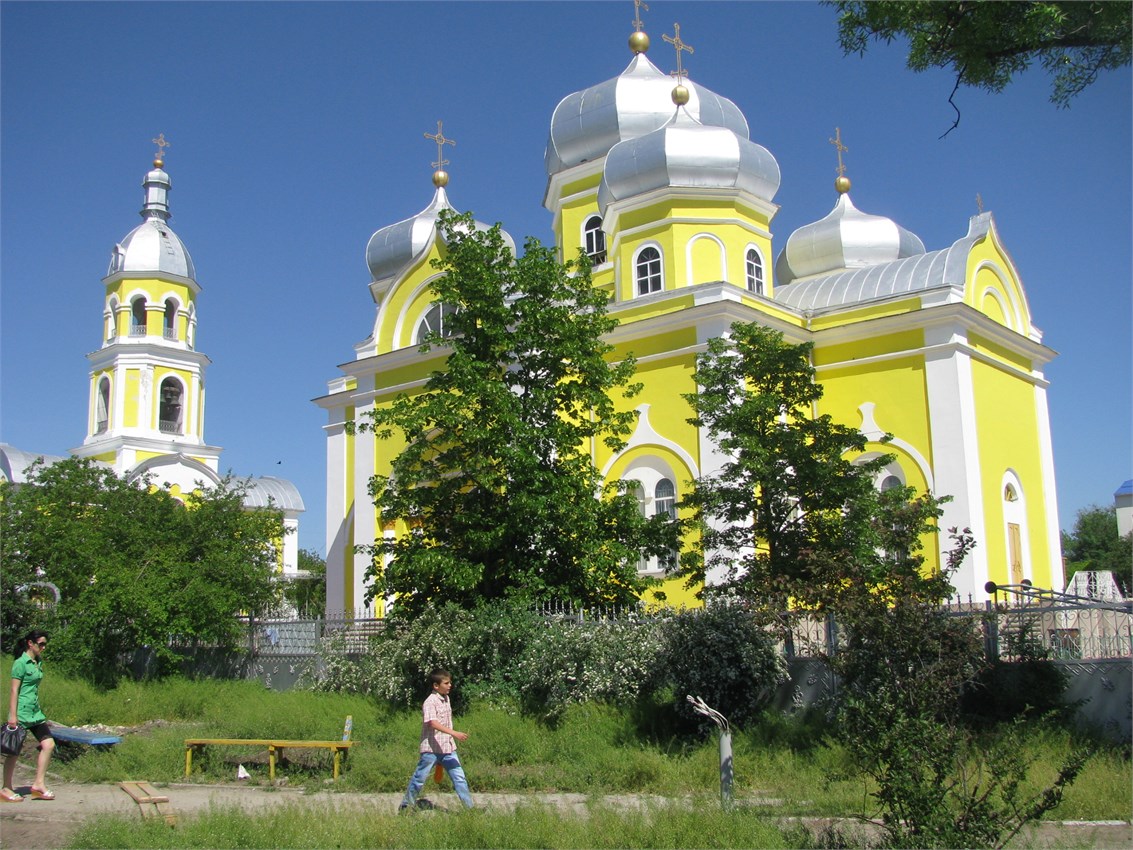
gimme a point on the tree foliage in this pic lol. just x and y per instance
(987, 44)
(1096, 545)
(497, 479)
(789, 487)
(308, 594)
(133, 566)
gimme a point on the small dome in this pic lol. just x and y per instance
(394, 247)
(845, 239)
(586, 124)
(152, 246)
(686, 153)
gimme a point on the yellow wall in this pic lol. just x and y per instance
(1009, 439)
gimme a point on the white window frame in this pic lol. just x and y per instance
(659, 277)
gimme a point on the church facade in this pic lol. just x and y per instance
(674, 202)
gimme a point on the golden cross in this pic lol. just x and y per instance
(638, 5)
(679, 45)
(440, 139)
(979, 202)
(161, 146)
(837, 142)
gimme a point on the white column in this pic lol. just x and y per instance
(955, 451)
(338, 544)
(365, 526)
(1050, 492)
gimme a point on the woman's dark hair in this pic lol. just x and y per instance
(34, 636)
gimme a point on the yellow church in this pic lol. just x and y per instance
(659, 182)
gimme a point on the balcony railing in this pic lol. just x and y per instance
(137, 330)
(101, 426)
(167, 426)
(170, 333)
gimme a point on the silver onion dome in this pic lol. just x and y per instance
(394, 247)
(152, 246)
(686, 153)
(845, 239)
(586, 124)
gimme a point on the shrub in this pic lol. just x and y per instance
(724, 656)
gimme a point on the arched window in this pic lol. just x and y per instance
(648, 271)
(138, 317)
(169, 414)
(102, 406)
(890, 482)
(595, 239)
(435, 322)
(112, 319)
(1015, 522)
(170, 325)
(754, 271)
(665, 504)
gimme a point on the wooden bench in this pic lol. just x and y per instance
(275, 747)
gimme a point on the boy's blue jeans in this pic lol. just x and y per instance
(451, 763)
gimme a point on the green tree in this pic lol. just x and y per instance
(1096, 545)
(308, 594)
(781, 495)
(986, 44)
(496, 477)
(134, 567)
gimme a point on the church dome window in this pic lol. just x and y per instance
(594, 239)
(753, 268)
(169, 329)
(138, 317)
(435, 322)
(647, 271)
(170, 412)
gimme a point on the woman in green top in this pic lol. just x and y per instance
(23, 708)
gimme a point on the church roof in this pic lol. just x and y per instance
(844, 239)
(686, 153)
(267, 490)
(152, 246)
(586, 124)
(14, 463)
(396, 246)
(918, 273)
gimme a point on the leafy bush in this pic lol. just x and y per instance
(724, 656)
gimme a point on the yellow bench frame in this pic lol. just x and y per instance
(275, 747)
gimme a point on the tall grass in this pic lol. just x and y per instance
(527, 826)
(786, 767)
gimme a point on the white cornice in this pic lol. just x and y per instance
(665, 193)
(166, 277)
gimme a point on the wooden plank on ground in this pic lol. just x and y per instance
(150, 802)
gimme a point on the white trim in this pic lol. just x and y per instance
(690, 279)
(873, 433)
(645, 435)
(337, 516)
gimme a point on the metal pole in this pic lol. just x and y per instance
(726, 774)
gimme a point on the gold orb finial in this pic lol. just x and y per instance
(680, 95)
(842, 184)
(638, 42)
(440, 176)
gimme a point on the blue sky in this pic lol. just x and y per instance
(296, 131)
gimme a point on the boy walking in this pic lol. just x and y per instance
(438, 743)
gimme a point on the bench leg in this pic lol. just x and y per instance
(188, 760)
(337, 756)
(271, 764)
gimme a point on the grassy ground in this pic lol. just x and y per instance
(781, 770)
